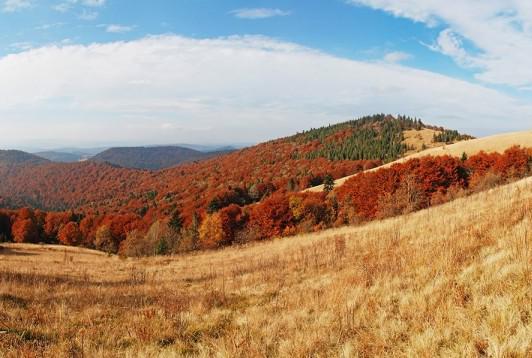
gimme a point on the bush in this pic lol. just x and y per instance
(246, 235)
(407, 198)
(135, 245)
(487, 181)
(162, 247)
(105, 241)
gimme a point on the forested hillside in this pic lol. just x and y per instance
(271, 173)
(238, 217)
(287, 164)
(376, 137)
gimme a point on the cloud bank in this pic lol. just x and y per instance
(500, 33)
(168, 89)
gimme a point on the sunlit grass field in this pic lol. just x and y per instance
(452, 280)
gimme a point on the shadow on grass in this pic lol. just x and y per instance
(13, 300)
(26, 278)
(7, 251)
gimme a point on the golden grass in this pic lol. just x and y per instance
(496, 143)
(450, 281)
(419, 138)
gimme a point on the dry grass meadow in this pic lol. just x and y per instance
(495, 143)
(451, 281)
(419, 139)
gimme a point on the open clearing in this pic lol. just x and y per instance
(419, 138)
(452, 280)
(496, 143)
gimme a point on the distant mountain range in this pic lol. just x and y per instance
(241, 177)
(17, 157)
(140, 157)
(153, 158)
(61, 157)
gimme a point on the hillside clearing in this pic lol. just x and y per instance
(419, 139)
(447, 281)
(496, 143)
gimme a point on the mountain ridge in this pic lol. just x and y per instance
(288, 164)
(17, 157)
(152, 157)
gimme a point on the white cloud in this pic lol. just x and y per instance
(171, 89)
(21, 46)
(258, 13)
(396, 57)
(450, 44)
(16, 5)
(118, 29)
(499, 30)
(62, 7)
(94, 3)
(88, 15)
(67, 5)
(49, 26)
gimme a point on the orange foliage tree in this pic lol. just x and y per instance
(25, 230)
(271, 217)
(53, 223)
(211, 233)
(70, 234)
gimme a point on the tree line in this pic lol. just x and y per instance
(401, 188)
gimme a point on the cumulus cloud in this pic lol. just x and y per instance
(258, 13)
(16, 5)
(500, 32)
(170, 89)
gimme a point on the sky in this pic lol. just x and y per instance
(119, 72)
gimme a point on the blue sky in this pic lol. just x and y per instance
(333, 26)
(103, 72)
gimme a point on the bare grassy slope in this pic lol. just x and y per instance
(419, 139)
(452, 280)
(496, 143)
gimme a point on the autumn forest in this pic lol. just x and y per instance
(249, 195)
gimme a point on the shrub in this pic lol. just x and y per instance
(105, 241)
(135, 245)
(487, 181)
(407, 198)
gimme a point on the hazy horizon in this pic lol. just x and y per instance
(102, 147)
(91, 73)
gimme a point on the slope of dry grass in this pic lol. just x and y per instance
(419, 139)
(453, 280)
(496, 143)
